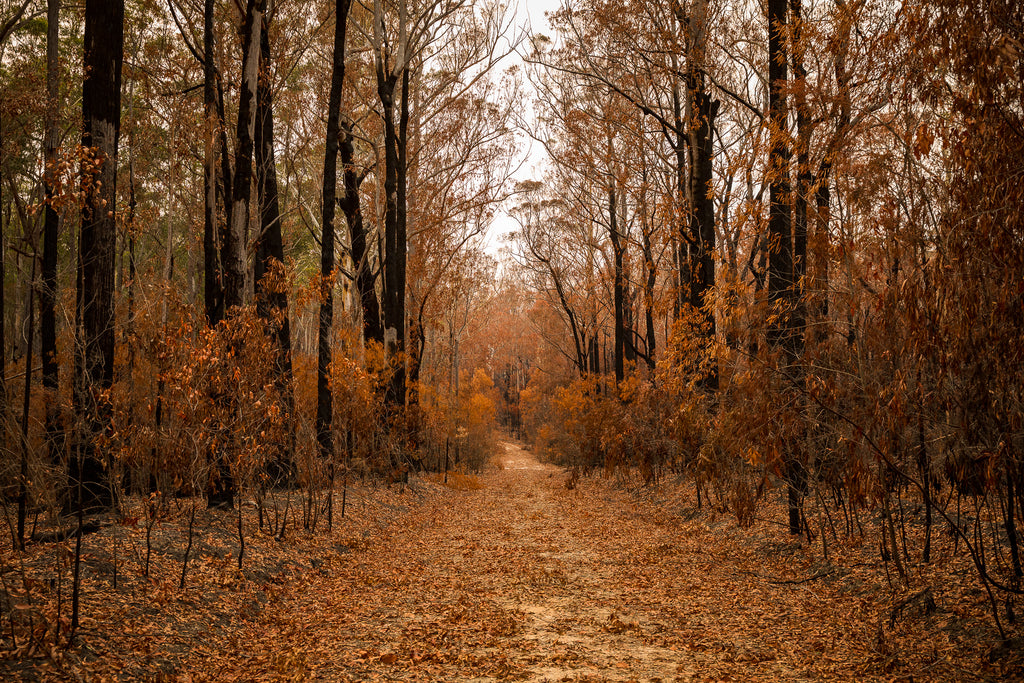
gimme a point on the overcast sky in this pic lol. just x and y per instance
(531, 14)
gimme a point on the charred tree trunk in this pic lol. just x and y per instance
(365, 280)
(401, 245)
(213, 292)
(51, 229)
(271, 292)
(618, 287)
(221, 487)
(702, 216)
(804, 177)
(649, 284)
(3, 313)
(700, 235)
(325, 400)
(25, 411)
(233, 256)
(394, 228)
(780, 239)
(781, 286)
(101, 128)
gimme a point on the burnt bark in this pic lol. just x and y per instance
(780, 239)
(395, 246)
(220, 492)
(271, 293)
(365, 280)
(618, 287)
(325, 400)
(213, 295)
(94, 367)
(51, 227)
(781, 285)
(804, 177)
(702, 214)
(233, 257)
(3, 314)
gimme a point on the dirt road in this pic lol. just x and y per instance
(527, 579)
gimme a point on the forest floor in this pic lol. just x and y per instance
(523, 573)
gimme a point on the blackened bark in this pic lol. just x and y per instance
(617, 288)
(272, 296)
(649, 283)
(780, 240)
(394, 239)
(101, 127)
(365, 280)
(781, 285)
(400, 247)
(225, 184)
(822, 201)
(233, 257)
(804, 177)
(3, 314)
(325, 400)
(25, 411)
(51, 222)
(702, 214)
(220, 492)
(213, 296)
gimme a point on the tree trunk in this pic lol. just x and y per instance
(221, 486)
(101, 127)
(51, 228)
(325, 400)
(804, 177)
(649, 284)
(272, 296)
(781, 287)
(3, 313)
(700, 133)
(213, 292)
(233, 256)
(25, 410)
(394, 231)
(780, 256)
(702, 216)
(365, 281)
(617, 287)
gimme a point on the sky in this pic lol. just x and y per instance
(529, 13)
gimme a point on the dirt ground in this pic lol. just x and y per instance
(528, 573)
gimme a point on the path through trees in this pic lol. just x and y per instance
(526, 578)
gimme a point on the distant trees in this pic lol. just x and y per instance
(202, 250)
(795, 180)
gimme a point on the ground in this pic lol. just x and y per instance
(527, 572)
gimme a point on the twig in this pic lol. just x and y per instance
(815, 577)
(188, 549)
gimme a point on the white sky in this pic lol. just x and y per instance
(530, 13)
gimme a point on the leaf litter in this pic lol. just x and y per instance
(515, 575)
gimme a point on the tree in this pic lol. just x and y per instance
(268, 266)
(94, 366)
(324, 404)
(51, 226)
(233, 256)
(213, 119)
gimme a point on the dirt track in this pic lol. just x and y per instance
(525, 578)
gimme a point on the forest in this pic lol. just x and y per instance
(278, 275)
